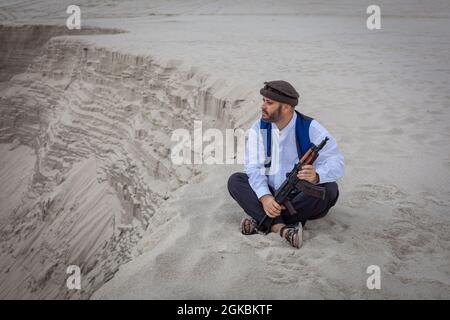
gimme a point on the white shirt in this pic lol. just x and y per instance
(329, 165)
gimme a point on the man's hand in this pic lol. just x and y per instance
(271, 207)
(309, 174)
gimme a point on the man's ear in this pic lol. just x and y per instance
(287, 106)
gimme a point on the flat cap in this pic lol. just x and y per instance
(281, 91)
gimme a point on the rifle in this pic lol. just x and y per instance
(292, 182)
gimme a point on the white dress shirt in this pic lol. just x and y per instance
(329, 165)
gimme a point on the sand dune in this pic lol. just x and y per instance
(86, 174)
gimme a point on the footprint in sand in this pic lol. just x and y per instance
(328, 226)
(287, 266)
(414, 232)
(430, 198)
(366, 194)
(280, 277)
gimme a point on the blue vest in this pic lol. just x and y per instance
(302, 124)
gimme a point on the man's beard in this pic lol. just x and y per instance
(274, 116)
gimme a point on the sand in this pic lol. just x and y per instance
(86, 174)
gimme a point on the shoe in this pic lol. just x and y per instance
(248, 226)
(293, 235)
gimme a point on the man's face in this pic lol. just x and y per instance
(271, 110)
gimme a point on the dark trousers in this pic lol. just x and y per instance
(307, 207)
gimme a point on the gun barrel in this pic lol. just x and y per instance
(322, 144)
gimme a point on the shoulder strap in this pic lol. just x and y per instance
(301, 134)
(267, 140)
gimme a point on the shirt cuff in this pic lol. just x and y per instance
(322, 175)
(262, 191)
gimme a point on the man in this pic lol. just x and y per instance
(254, 189)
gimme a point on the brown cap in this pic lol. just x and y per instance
(281, 91)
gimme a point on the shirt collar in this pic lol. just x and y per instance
(290, 124)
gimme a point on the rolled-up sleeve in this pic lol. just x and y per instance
(330, 163)
(254, 161)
